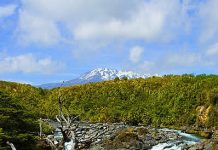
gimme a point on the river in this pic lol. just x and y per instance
(170, 144)
(187, 139)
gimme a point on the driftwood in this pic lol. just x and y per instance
(68, 128)
(11, 145)
(40, 128)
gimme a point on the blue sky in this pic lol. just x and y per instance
(54, 40)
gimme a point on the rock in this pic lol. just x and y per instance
(199, 146)
(168, 147)
(78, 132)
(208, 146)
(133, 137)
(215, 135)
(148, 137)
(196, 148)
(184, 146)
(50, 136)
(96, 147)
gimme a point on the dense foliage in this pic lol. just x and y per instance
(16, 124)
(19, 115)
(171, 100)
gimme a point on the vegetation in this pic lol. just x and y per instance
(19, 114)
(172, 100)
(124, 139)
(17, 125)
(159, 101)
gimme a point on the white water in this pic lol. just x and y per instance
(188, 139)
(69, 145)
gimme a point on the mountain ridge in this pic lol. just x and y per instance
(97, 75)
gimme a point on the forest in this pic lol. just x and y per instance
(168, 101)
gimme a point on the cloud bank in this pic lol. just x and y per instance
(7, 10)
(40, 20)
(104, 23)
(27, 63)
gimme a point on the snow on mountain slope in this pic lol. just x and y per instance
(97, 75)
(109, 74)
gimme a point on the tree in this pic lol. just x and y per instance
(116, 78)
(68, 128)
(124, 78)
(16, 125)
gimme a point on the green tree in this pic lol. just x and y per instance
(17, 126)
(116, 79)
(124, 78)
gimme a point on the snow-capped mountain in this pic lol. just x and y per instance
(110, 74)
(97, 75)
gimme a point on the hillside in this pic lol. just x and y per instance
(19, 115)
(27, 96)
(170, 101)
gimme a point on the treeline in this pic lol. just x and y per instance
(159, 101)
(172, 100)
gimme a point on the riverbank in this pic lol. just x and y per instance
(149, 138)
(122, 136)
(207, 144)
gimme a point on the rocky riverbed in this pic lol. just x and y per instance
(207, 144)
(148, 138)
(121, 136)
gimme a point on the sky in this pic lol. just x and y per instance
(44, 41)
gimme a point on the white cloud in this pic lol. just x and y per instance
(27, 63)
(36, 29)
(82, 10)
(179, 62)
(209, 20)
(150, 20)
(100, 20)
(135, 54)
(147, 67)
(183, 59)
(213, 50)
(7, 10)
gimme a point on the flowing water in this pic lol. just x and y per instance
(187, 139)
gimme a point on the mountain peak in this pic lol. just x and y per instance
(97, 75)
(102, 73)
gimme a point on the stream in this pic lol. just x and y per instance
(187, 139)
(172, 143)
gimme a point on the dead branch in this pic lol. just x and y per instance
(50, 142)
(11, 145)
(40, 128)
(68, 129)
